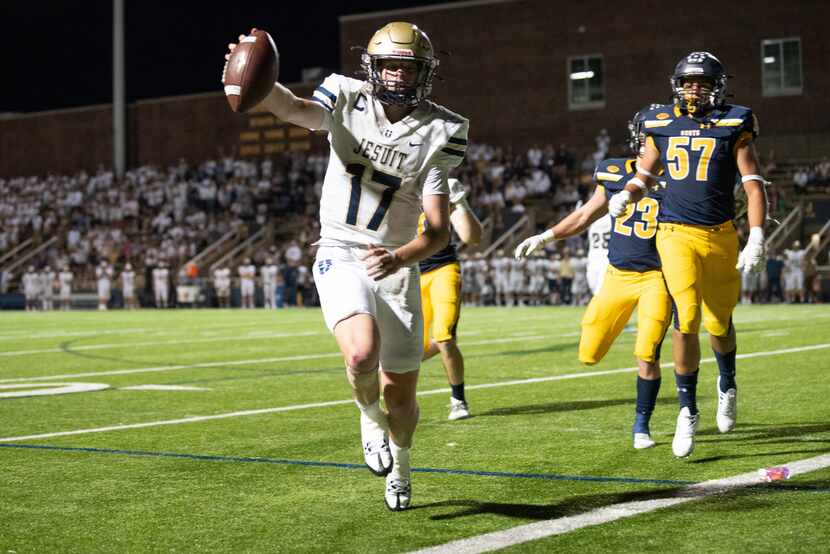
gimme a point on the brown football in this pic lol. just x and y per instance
(251, 71)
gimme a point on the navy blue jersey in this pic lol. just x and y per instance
(698, 155)
(446, 255)
(632, 245)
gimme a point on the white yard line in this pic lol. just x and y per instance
(234, 362)
(265, 336)
(342, 402)
(203, 330)
(542, 529)
(60, 334)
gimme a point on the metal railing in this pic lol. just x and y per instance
(785, 230)
(29, 255)
(14, 251)
(214, 248)
(507, 239)
(249, 243)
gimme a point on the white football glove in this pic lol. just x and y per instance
(753, 256)
(532, 244)
(618, 203)
(457, 191)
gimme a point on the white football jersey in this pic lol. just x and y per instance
(379, 171)
(580, 266)
(268, 275)
(222, 278)
(103, 273)
(598, 234)
(65, 278)
(247, 273)
(160, 276)
(794, 259)
(47, 281)
(128, 279)
(31, 281)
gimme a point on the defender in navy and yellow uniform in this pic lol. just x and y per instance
(633, 274)
(441, 297)
(702, 144)
(633, 280)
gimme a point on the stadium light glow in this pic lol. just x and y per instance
(769, 59)
(581, 75)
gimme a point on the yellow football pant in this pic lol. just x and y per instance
(699, 267)
(613, 305)
(441, 302)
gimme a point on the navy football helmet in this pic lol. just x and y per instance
(703, 66)
(636, 135)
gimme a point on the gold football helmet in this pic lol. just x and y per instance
(400, 41)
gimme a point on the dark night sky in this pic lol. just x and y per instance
(58, 54)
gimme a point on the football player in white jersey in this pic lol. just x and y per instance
(579, 285)
(128, 286)
(104, 274)
(268, 279)
(47, 284)
(247, 276)
(794, 273)
(161, 285)
(501, 271)
(65, 278)
(31, 286)
(391, 152)
(598, 235)
(222, 285)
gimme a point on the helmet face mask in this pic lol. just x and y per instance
(636, 130)
(399, 64)
(704, 70)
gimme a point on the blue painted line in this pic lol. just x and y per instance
(308, 463)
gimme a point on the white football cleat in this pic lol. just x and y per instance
(643, 441)
(727, 409)
(376, 451)
(398, 493)
(684, 433)
(458, 409)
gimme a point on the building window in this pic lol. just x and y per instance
(781, 66)
(586, 82)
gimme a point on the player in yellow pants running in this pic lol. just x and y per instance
(441, 298)
(633, 280)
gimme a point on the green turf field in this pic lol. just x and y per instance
(261, 453)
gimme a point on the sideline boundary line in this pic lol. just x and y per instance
(444, 471)
(311, 463)
(294, 407)
(488, 542)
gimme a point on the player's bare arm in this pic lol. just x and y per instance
(573, 224)
(466, 225)
(381, 262)
(287, 106)
(749, 167)
(462, 217)
(580, 219)
(753, 256)
(648, 166)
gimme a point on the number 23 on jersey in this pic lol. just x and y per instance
(646, 227)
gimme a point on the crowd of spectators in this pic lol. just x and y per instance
(816, 177)
(154, 215)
